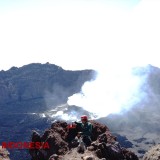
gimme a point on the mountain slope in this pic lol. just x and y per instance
(28, 91)
(39, 86)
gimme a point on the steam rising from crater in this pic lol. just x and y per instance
(115, 90)
(113, 42)
(131, 40)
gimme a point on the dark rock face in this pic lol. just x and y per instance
(103, 146)
(123, 141)
(39, 85)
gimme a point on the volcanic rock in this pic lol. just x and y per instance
(4, 154)
(35, 84)
(60, 138)
(153, 153)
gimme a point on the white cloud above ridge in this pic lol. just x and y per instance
(81, 37)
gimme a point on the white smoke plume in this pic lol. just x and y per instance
(131, 41)
(115, 90)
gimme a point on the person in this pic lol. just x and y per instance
(81, 145)
(85, 127)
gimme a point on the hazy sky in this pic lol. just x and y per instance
(79, 34)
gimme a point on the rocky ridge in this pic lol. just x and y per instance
(104, 145)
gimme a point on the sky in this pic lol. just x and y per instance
(79, 34)
(110, 36)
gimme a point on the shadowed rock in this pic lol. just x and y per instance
(103, 146)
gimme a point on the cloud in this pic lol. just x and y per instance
(131, 41)
(78, 37)
(114, 91)
(104, 37)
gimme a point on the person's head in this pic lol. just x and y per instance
(84, 119)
